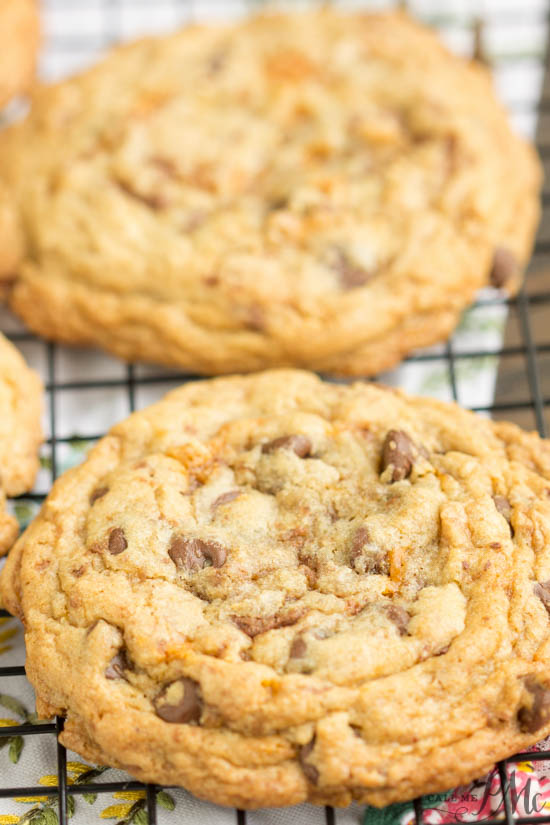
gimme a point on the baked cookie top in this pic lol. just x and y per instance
(20, 433)
(270, 589)
(318, 189)
(19, 37)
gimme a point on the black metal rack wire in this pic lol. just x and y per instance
(530, 403)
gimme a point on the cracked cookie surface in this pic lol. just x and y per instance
(19, 36)
(271, 589)
(20, 433)
(313, 189)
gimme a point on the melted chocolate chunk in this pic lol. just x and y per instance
(254, 625)
(298, 648)
(364, 559)
(542, 590)
(360, 538)
(310, 771)
(505, 267)
(277, 203)
(117, 541)
(398, 453)
(118, 664)
(179, 702)
(192, 554)
(505, 509)
(536, 713)
(299, 444)
(503, 506)
(351, 275)
(399, 616)
(99, 492)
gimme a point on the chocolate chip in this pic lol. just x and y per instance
(116, 667)
(179, 702)
(351, 275)
(505, 267)
(277, 203)
(225, 498)
(505, 509)
(99, 492)
(310, 771)
(542, 590)
(503, 506)
(186, 553)
(299, 444)
(215, 552)
(360, 538)
(117, 541)
(398, 453)
(399, 616)
(298, 648)
(78, 571)
(192, 554)
(536, 713)
(364, 559)
(254, 625)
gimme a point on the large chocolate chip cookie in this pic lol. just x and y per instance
(269, 589)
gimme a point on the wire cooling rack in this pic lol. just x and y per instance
(76, 31)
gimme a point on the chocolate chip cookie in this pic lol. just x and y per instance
(271, 589)
(19, 35)
(313, 189)
(20, 433)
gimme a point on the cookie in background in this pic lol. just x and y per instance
(20, 433)
(313, 189)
